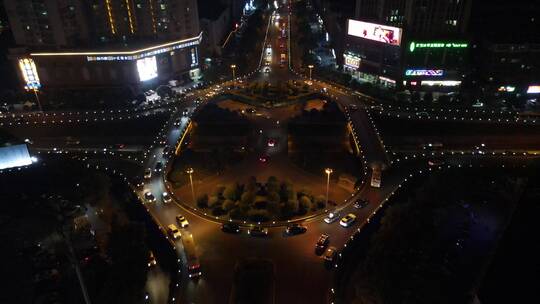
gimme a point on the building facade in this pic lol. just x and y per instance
(416, 44)
(101, 43)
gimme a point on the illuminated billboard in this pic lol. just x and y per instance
(14, 156)
(352, 61)
(412, 72)
(444, 83)
(29, 72)
(376, 32)
(147, 68)
(533, 89)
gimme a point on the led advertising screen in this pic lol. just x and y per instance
(147, 68)
(377, 32)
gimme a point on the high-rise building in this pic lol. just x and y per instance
(507, 52)
(111, 38)
(418, 44)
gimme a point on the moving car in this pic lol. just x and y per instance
(158, 167)
(173, 231)
(166, 150)
(263, 159)
(295, 229)
(360, 204)
(149, 197)
(347, 220)
(271, 142)
(435, 162)
(185, 112)
(147, 173)
(330, 254)
(182, 221)
(332, 217)
(151, 259)
(166, 197)
(322, 242)
(258, 231)
(177, 122)
(230, 228)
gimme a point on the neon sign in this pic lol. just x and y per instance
(412, 72)
(437, 45)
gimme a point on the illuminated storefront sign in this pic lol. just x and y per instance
(444, 83)
(509, 89)
(29, 72)
(411, 72)
(533, 89)
(382, 78)
(147, 68)
(131, 55)
(352, 61)
(376, 32)
(437, 45)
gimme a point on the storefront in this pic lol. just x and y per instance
(133, 68)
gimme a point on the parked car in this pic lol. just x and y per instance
(322, 242)
(347, 220)
(230, 228)
(258, 231)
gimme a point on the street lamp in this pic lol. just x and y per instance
(310, 68)
(190, 172)
(35, 90)
(328, 171)
(233, 67)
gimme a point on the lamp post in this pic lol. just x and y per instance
(190, 172)
(233, 67)
(35, 90)
(328, 171)
(310, 68)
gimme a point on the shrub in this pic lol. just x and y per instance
(218, 211)
(258, 216)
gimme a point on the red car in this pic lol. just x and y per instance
(271, 142)
(263, 159)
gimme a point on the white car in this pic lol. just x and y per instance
(347, 220)
(182, 221)
(166, 197)
(332, 217)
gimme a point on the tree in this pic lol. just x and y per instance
(305, 203)
(202, 201)
(231, 192)
(128, 253)
(228, 205)
(272, 184)
(320, 201)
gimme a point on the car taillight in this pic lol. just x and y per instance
(196, 266)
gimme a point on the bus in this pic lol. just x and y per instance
(192, 261)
